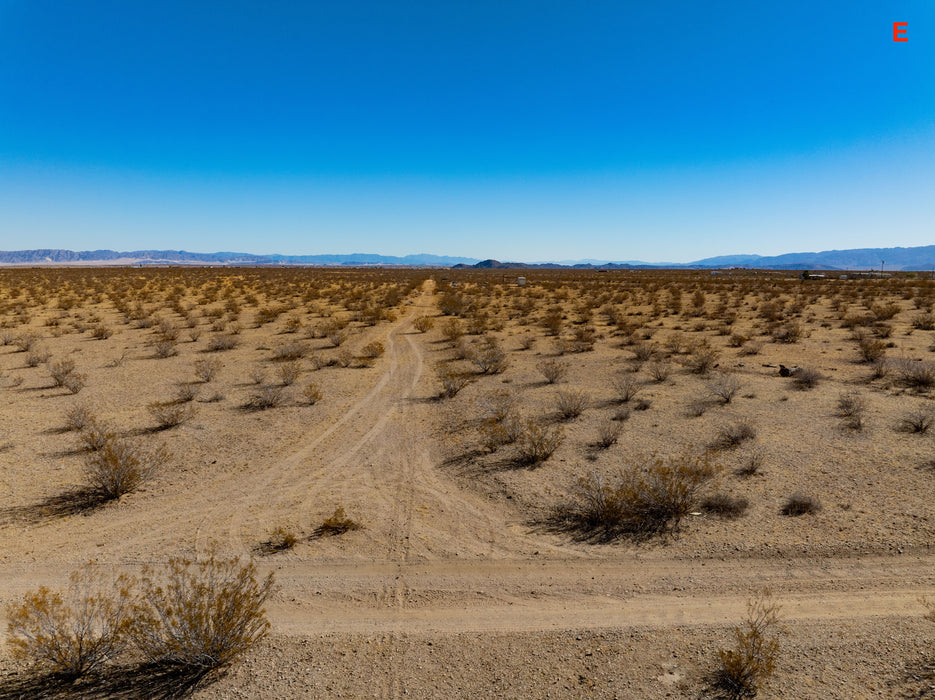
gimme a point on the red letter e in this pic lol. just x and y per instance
(897, 31)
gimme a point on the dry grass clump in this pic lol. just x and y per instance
(800, 504)
(570, 404)
(733, 435)
(289, 352)
(744, 669)
(553, 371)
(336, 524)
(650, 498)
(118, 467)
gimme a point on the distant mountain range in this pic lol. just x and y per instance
(917, 258)
(171, 257)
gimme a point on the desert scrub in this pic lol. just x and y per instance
(265, 397)
(280, 539)
(452, 381)
(169, 414)
(311, 394)
(74, 632)
(552, 371)
(488, 356)
(725, 506)
(570, 404)
(800, 504)
(918, 422)
(77, 417)
(743, 669)
(336, 524)
(200, 613)
(625, 387)
(288, 372)
(608, 433)
(537, 442)
(806, 378)
(733, 434)
(423, 324)
(118, 467)
(851, 407)
(207, 369)
(651, 497)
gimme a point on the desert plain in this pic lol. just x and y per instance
(464, 424)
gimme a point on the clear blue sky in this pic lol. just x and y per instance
(516, 130)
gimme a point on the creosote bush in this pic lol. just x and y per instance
(537, 442)
(423, 324)
(118, 467)
(743, 669)
(452, 381)
(265, 397)
(73, 633)
(200, 613)
(649, 498)
(553, 371)
(169, 414)
(570, 404)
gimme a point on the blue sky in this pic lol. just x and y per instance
(514, 130)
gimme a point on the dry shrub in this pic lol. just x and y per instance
(169, 414)
(497, 405)
(643, 352)
(497, 433)
(312, 394)
(917, 374)
(118, 467)
(800, 504)
(452, 330)
(917, 422)
(206, 370)
(36, 356)
(733, 435)
(265, 397)
(725, 506)
(423, 324)
(164, 348)
(659, 370)
(200, 614)
(290, 352)
(452, 381)
(63, 372)
(650, 498)
(489, 356)
(570, 404)
(724, 387)
(702, 359)
(607, 434)
(258, 375)
(871, 350)
(185, 392)
(788, 333)
(288, 372)
(552, 370)
(72, 633)
(78, 417)
(101, 332)
(851, 407)
(752, 348)
(751, 464)
(336, 524)
(222, 343)
(806, 378)
(280, 539)
(94, 435)
(372, 351)
(537, 442)
(743, 670)
(924, 322)
(625, 387)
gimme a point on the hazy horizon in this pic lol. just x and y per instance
(530, 132)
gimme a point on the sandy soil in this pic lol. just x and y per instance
(454, 586)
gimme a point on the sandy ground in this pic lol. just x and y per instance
(452, 587)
